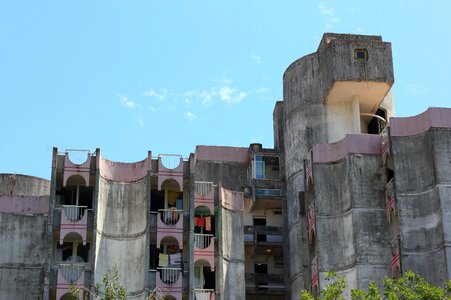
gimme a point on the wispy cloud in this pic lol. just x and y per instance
(262, 90)
(127, 102)
(231, 95)
(190, 116)
(328, 12)
(257, 59)
(160, 96)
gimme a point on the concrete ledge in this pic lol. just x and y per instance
(351, 144)
(432, 117)
(24, 205)
(124, 172)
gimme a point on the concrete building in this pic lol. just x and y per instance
(347, 187)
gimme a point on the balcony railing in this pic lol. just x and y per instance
(169, 275)
(71, 272)
(267, 192)
(170, 216)
(264, 283)
(74, 212)
(203, 188)
(266, 234)
(170, 161)
(202, 241)
(203, 294)
(395, 246)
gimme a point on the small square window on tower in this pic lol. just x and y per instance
(361, 54)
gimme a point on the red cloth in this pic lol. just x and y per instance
(199, 221)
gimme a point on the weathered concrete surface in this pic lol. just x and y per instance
(121, 233)
(22, 237)
(352, 230)
(313, 85)
(231, 253)
(423, 191)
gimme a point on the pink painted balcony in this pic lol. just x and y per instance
(204, 248)
(390, 200)
(77, 162)
(74, 218)
(68, 275)
(169, 279)
(170, 166)
(204, 194)
(170, 223)
(204, 294)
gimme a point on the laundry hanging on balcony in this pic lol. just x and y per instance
(175, 259)
(208, 223)
(199, 221)
(163, 260)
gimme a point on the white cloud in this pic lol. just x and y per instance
(257, 59)
(262, 90)
(160, 96)
(207, 96)
(127, 102)
(190, 116)
(325, 10)
(231, 95)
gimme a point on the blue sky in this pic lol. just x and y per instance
(133, 76)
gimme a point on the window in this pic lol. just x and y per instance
(361, 54)
(266, 167)
(267, 192)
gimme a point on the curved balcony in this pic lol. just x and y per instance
(68, 275)
(170, 166)
(315, 275)
(395, 246)
(204, 194)
(74, 218)
(169, 277)
(170, 217)
(204, 248)
(77, 162)
(311, 223)
(204, 294)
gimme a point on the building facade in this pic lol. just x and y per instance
(347, 187)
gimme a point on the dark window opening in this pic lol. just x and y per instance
(261, 268)
(361, 54)
(64, 251)
(390, 174)
(69, 195)
(153, 257)
(260, 222)
(83, 252)
(376, 125)
(156, 200)
(209, 277)
(302, 203)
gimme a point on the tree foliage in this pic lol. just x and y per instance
(409, 286)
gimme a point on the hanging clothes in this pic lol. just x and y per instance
(163, 260)
(208, 223)
(199, 221)
(175, 259)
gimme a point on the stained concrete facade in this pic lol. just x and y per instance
(347, 187)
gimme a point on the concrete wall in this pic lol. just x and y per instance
(422, 164)
(231, 245)
(352, 229)
(121, 226)
(23, 236)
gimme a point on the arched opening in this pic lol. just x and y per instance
(168, 202)
(169, 260)
(72, 250)
(203, 227)
(204, 280)
(76, 196)
(169, 297)
(68, 296)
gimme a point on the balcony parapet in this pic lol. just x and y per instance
(351, 144)
(273, 234)
(78, 166)
(204, 294)
(433, 117)
(169, 278)
(204, 194)
(170, 223)
(74, 218)
(204, 248)
(311, 223)
(315, 275)
(170, 166)
(68, 275)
